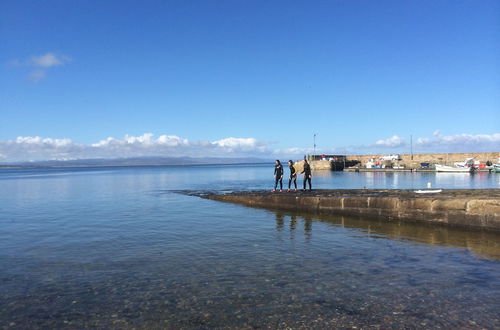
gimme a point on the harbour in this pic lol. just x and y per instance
(447, 162)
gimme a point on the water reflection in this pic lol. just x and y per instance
(280, 221)
(308, 228)
(483, 243)
(293, 226)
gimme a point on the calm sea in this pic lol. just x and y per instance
(118, 248)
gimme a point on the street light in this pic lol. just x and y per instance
(411, 146)
(314, 144)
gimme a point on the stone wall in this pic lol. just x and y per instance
(439, 158)
(316, 165)
(464, 208)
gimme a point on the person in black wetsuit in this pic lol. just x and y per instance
(293, 175)
(278, 175)
(307, 174)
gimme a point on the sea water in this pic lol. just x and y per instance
(117, 247)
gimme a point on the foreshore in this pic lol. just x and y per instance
(472, 208)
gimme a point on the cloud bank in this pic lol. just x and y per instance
(395, 144)
(460, 142)
(28, 148)
(443, 143)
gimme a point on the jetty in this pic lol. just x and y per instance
(472, 208)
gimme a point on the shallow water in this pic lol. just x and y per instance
(115, 247)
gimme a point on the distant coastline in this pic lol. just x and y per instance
(410, 160)
(135, 162)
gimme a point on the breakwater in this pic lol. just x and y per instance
(478, 208)
(414, 160)
(406, 162)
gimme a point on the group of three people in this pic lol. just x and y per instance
(278, 175)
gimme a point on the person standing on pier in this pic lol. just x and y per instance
(278, 175)
(307, 174)
(293, 175)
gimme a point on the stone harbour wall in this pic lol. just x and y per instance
(438, 158)
(465, 208)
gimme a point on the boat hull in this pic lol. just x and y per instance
(451, 169)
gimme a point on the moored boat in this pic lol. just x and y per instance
(466, 163)
(452, 169)
(428, 191)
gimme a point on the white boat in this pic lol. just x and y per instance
(390, 157)
(444, 168)
(466, 163)
(370, 163)
(428, 191)
(496, 167)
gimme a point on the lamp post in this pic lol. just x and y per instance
(314, 144)
(411, 146)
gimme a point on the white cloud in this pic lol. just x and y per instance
(460, 143)
(233, 144)
(294, 151)
(440, 143)
(48, 60)
(40, 64)
(26, 148)
(145, 140)
(172, 141)
(236, 142)
(47, 142)
(435, 144)
(392, 142)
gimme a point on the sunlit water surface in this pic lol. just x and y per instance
(115, 247)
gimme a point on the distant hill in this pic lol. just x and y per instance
(139, 161)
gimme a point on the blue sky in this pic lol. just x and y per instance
(247, 77)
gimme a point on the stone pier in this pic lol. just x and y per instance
(478, 208)
(414, 160)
